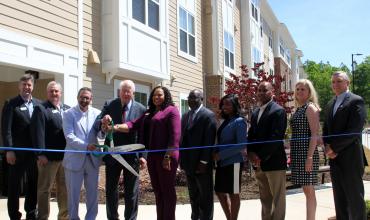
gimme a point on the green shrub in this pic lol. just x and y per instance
(368, 208)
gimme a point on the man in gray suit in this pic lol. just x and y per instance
(198, 128)
(121, 110)
(80, 134)
(343, 125)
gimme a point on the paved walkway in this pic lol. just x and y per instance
(249, 210)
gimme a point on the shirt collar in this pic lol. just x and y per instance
(129, 104)
(197, 110)
(265, 105)
(342, 95)
(25, 100)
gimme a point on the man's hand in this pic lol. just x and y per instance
(42, 160)
(105, 123)
(91, 147)
(256, 161)
(202, 168)
(166, 163)
(10, 157)
(142, 163)
(329, 152)
(216, 157)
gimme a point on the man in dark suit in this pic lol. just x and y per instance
(47, 133)
(198, 128)
(343, 125)
(121, 110)
(16, 119)
(268, 125)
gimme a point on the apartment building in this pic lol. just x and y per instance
(183, 44)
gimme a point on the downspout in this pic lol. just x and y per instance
(80, 42)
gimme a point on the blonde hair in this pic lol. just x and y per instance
(312, 93)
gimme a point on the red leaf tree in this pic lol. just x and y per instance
(246, 88)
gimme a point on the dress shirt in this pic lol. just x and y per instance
(339, 99)
(29, 105)
(262, 109)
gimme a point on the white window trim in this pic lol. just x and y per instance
(179, 52)
(226, 68)
(182, 96)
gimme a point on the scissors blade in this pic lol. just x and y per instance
(124, 163)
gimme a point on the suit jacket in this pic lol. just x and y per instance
(272, 126)
(79, 137)
(349, 118)
(47, 129)
(234, 132)
(161, 131)
(114, 109)
(16, 124)
(202, 132)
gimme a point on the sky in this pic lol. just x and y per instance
(327, 30)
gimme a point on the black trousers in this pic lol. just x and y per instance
(113, 171)
(200, 188)
(348, 190)
(25, 164)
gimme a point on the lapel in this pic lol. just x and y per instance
(330, 110)
(23, 108)
(131, 112)
(197, 115)
(264, 114)
(344, 103)
(80, 121)
(55, 115)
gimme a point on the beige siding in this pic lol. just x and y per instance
(188, 73)
(93, 76)
(53, 21)
(237, 37)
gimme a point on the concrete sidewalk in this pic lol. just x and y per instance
(249, 209)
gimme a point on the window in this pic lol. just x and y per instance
(254, 11)
(187, 27)
(228, 21)
(184, 107)
(270, 42)
(141, 98)
(151, 7)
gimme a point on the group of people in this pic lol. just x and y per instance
(28, 122)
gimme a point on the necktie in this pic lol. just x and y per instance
(124, 109)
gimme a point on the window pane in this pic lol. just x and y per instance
(141, 98)
(184, 106)
(227, 58)
(226, 39)
(191, 24)
(138, 10)
(153, 15)
(183, 21)
(231, 43)
(191, 45)
(231, 60)
(183, 41)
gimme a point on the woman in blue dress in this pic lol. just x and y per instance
(229, 156)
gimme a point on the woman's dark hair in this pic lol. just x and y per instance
(167, 99)
(234, 101)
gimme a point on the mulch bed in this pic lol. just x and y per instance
(249, 189)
